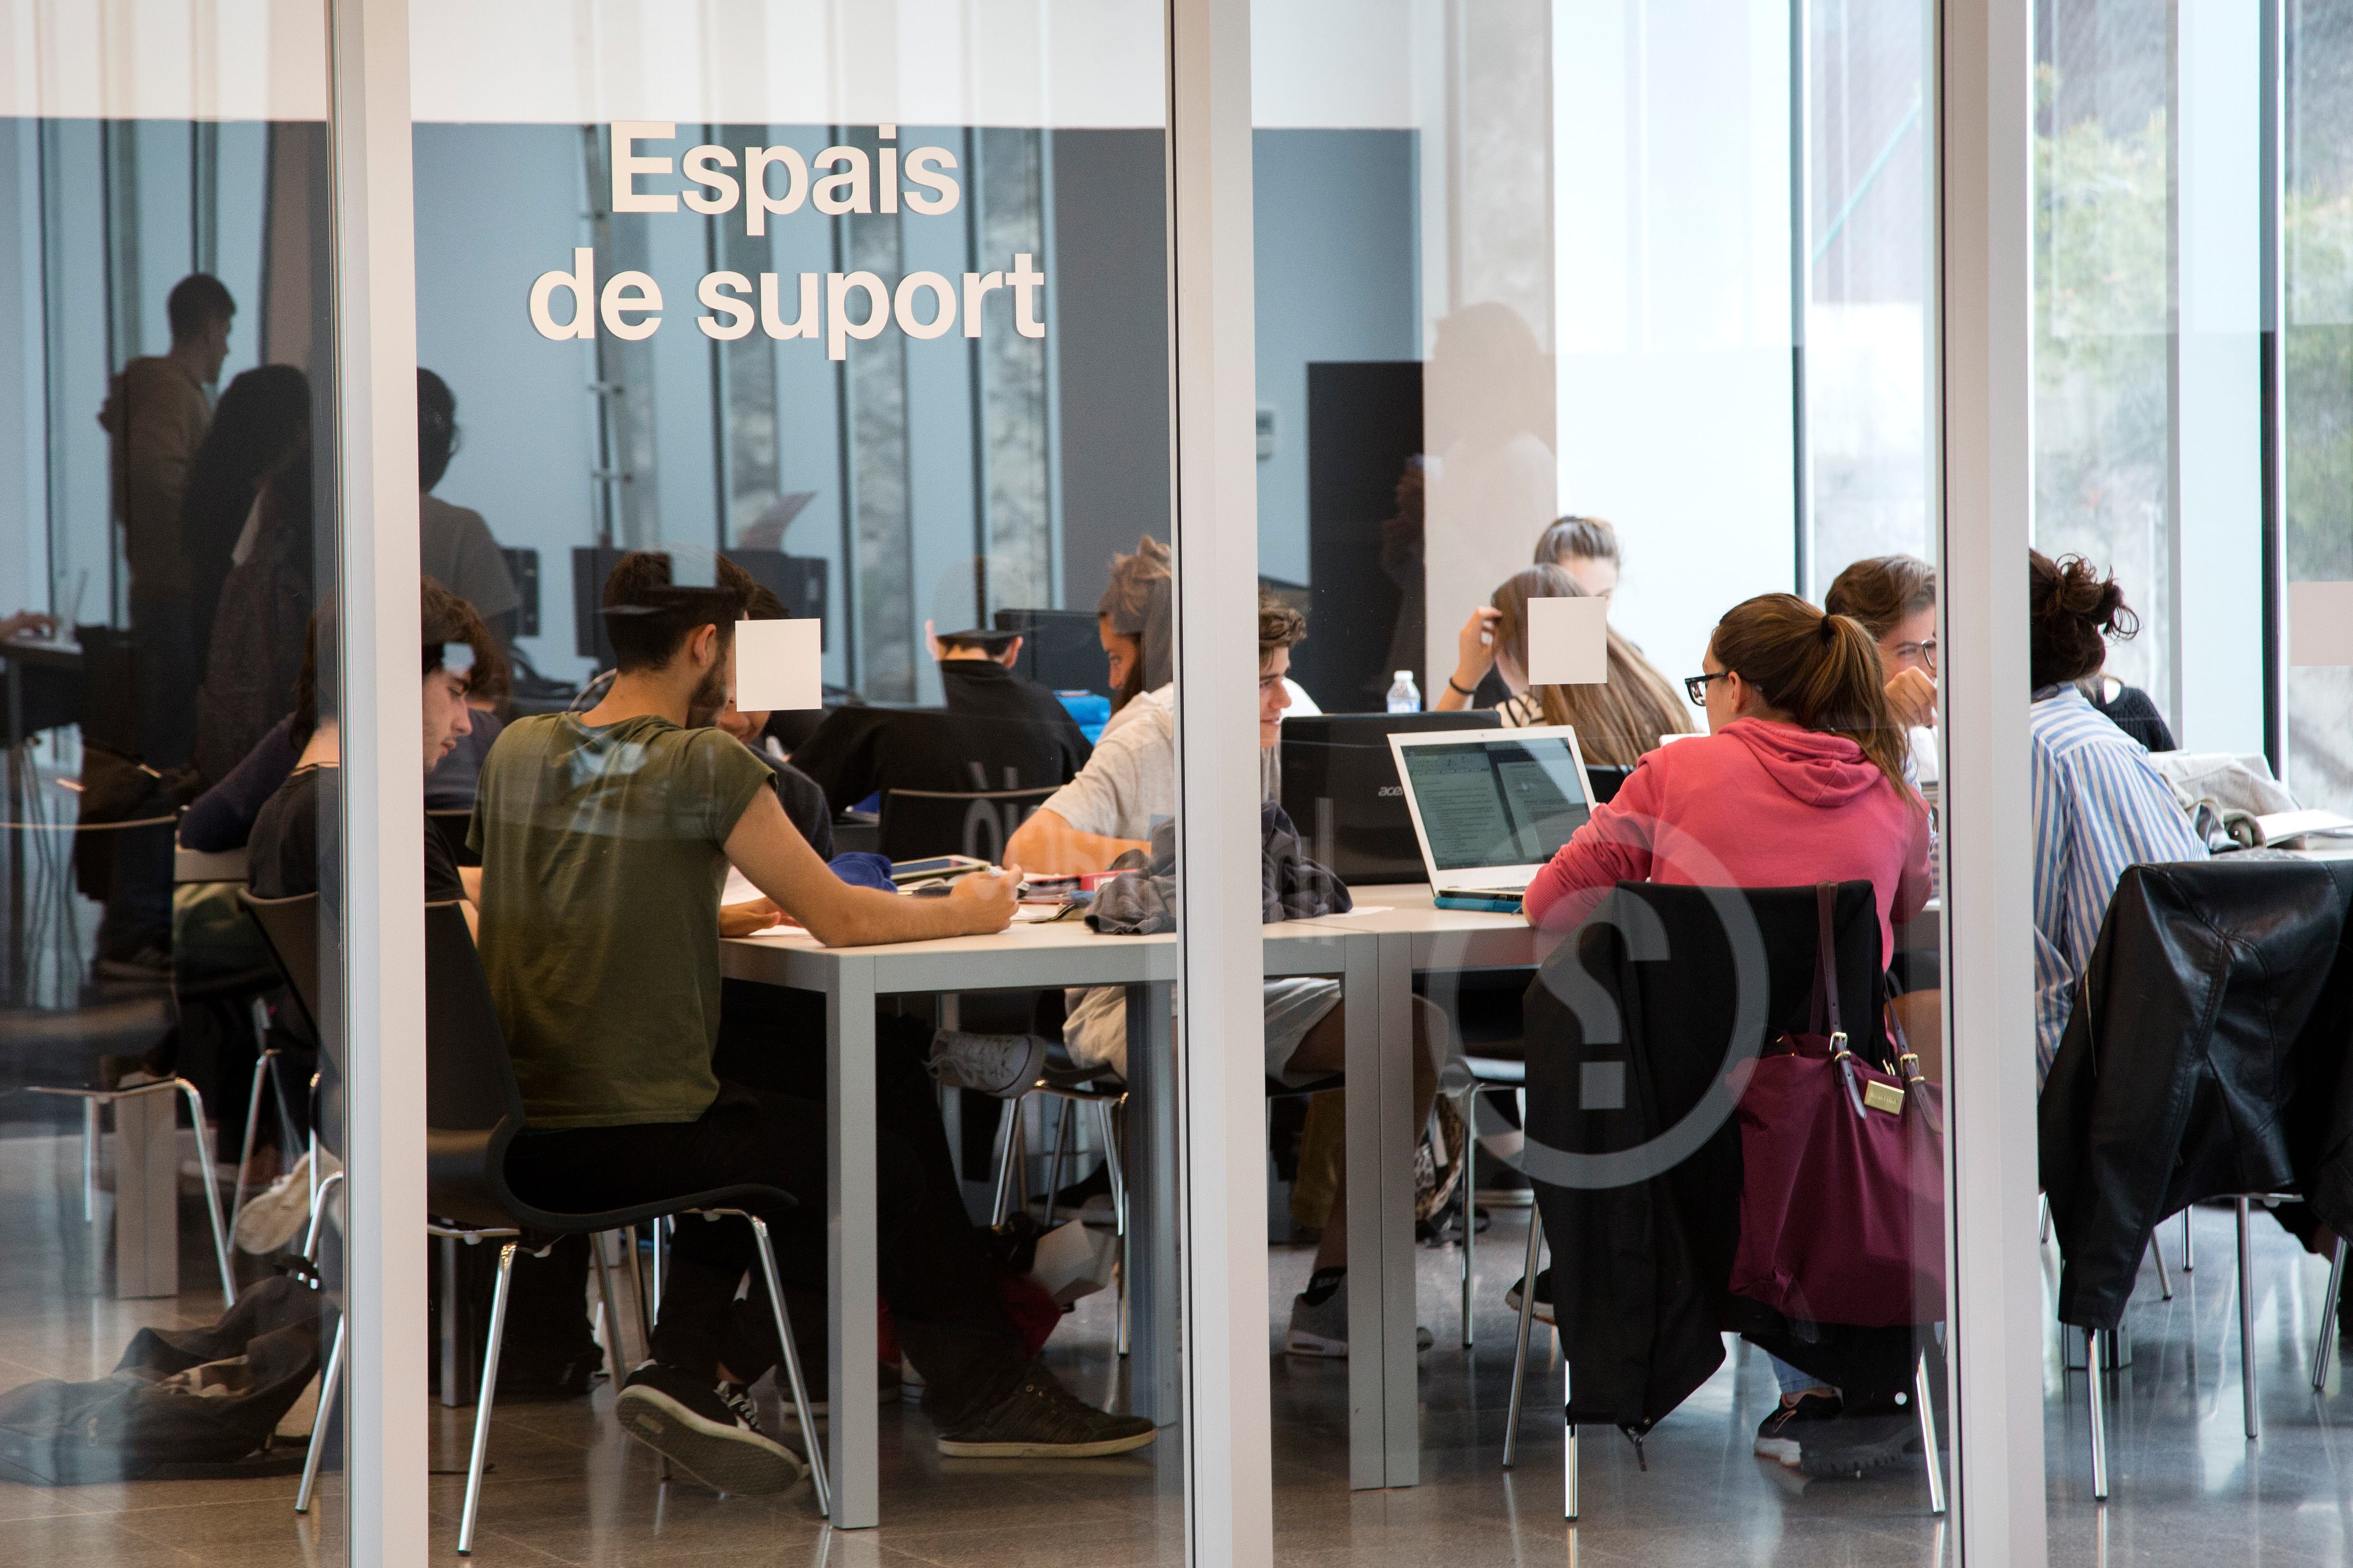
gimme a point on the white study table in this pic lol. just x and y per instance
(1038, 956)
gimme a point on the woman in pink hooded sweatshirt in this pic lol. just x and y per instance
(1799, 780)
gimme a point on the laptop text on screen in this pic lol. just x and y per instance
(1492, 807)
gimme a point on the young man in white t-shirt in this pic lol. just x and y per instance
(1127, 786)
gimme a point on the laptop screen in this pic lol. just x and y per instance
(1505, 802)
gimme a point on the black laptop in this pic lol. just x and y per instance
(1340, 789)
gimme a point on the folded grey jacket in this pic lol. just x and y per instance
(1143, 902)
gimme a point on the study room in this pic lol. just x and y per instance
(1213, 782)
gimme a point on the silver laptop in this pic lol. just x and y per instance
(1489, 807)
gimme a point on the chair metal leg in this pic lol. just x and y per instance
(90, 1137)
(637, 1288)
(1062, 1130)
(2095, 1359)
(2247, 1322)
(1009, 1122)
(660, 1267)
(252, 1125)
(792, 1370)
(212, 1193)
(2043, 1202)
(1112, 1163)
(2327, 1339)
(330, 1382)
(613, 1361)
(1924, 1404)
(2187, 1265)
(1520, 1346)
(1568, 1448)
(2164, 1275)
(318, 1217)
(1470, 1207)
(482, 1401)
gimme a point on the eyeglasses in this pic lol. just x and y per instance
(1921, 650)
(1695, 686)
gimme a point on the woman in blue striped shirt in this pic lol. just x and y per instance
(2099, 805)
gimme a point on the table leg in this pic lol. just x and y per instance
(1360, 1017)
(1151, 1154)
(853, 1430)
(1394, 1255)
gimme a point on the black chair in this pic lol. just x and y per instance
(1667, 983)
(918, 824)
(473, 1113)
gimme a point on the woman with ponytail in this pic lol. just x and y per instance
(1799, 780)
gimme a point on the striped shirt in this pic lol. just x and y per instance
(2099, 806)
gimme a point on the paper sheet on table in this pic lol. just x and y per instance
(1359, 910)
(779, 664)
(1569, 642)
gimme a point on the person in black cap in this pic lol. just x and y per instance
(977, 678)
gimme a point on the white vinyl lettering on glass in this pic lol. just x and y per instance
(710, 180)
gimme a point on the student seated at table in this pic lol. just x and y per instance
(605, 838)
(977, 678)
(2099, 804)
(1799, 780)
(1616, 720)
(1109, 809)
(1894, 598)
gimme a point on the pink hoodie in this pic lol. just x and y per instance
(1757, 805)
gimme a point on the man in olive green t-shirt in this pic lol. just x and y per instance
(605, 838)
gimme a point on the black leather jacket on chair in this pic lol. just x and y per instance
(1628, 1028)
(2207, 1055)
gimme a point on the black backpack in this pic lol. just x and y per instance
(184, 1403)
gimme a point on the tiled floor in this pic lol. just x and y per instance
(567, 1487)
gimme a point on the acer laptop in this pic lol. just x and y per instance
(1489, 810)
(1340, 789)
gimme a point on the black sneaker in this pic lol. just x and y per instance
(1043, 1420)
(1778, 1434)
(1543, 1312)
(708, 1429)
(1858, 1442)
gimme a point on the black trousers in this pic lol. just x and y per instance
(941, 1285)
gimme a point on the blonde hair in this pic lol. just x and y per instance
(1616, 721)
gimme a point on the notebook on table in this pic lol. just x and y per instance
(1491, 809)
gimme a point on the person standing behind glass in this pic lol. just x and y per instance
(454, 544)
(262, 415)
(156, 414)
(1894, 597)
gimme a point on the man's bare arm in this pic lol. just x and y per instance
(767, 848)
(1048, 842)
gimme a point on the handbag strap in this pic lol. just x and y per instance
(1826, 997)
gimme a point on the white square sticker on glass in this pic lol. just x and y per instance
(779, 664)
(2320, 623)
(1569, 642)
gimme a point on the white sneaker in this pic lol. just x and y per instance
(280, 1214)
(1005, 1066)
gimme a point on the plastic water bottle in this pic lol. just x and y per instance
(1405, 697)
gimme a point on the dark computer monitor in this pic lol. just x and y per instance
(1605, 780)
(799, 582)
(1061, 649)
(1340, 789)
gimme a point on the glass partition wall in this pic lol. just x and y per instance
(172, 1108)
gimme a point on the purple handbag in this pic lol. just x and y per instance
(1842, 1191)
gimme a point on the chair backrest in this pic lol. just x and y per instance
(290, 926)
(472, 1107)
(917, 823)
(1675, 983)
